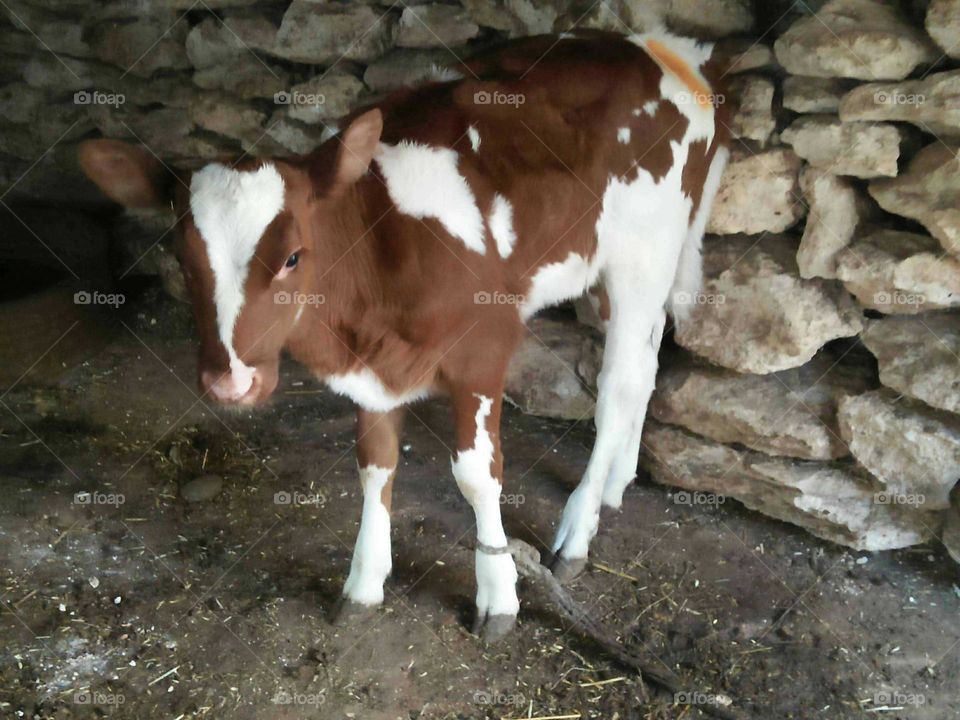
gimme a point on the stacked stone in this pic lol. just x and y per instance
(788, 414)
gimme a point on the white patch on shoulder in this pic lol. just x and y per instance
(673, 89)
(623, 135)
(423, 181)
(555, 282)
(474, 136)
(366, 390)
(371, 555)
(231, 209)
(501, 225)
(650, 107)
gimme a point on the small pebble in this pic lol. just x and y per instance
(94, 582)
(202, 489)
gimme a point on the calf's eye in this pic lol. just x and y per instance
(292, 260)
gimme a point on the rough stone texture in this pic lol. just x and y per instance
(210, 43)
(246, 77)
(836, 207)
(759, 192)
(403, 67)
(943, 25)
(324, 97)
(742, 55)
(516, 17)
(325, 33)
(790, 413)
(900, 273)
(834, 502)
(756, 314)
(291, 135)
(918, 357)
(427, 26)
(928, 192)
(932, 104)
(228, 117)
(699, 18)
(951, 526)
(553, 373)
(863, 39)
(753, 119)
(143, 45)
(813, 94)
(861, 149)
(909, 448)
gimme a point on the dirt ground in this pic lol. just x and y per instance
(130, 602)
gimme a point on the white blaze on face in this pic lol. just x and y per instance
(232, 209)
(501, 225)
(423, 181)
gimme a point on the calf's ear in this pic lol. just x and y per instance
(127, 174)
(358, 146)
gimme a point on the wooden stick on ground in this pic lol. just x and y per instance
(528, 565)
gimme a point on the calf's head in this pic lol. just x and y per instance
(247, 240)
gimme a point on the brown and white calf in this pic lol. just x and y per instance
(534, 171)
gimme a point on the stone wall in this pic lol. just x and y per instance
(818, 378)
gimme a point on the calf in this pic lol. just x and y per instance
(531, 172)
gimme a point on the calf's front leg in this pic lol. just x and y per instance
(378, 450)
(478, 470)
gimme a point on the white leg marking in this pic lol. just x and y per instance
(496, 574)
(371, 555)
(623, 135)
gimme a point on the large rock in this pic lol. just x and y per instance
(427, 26)
(836, 208)
(293, 136)
(698, 18)
(932, 104)
(861, 149)
(211, 43)
(246, 77)
(790, 413)
(228, 117)
(324, 97)
(759, 192)
(813, 94)
(516, 17)
(863, 39)
(142, 46)
(928, 192)
(554, 371)
(951, 526)
(754, 116)
(325, 33)
(943, 24)
(912, 450)
(900, 273)
(756, 314)
(834, 502)
(400, 68)
(918, 357)
(740, 55)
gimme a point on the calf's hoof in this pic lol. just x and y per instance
(566, 570)
(349, 612)
(492, 628)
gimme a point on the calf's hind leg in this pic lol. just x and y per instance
(378, 450)
(478, 470)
